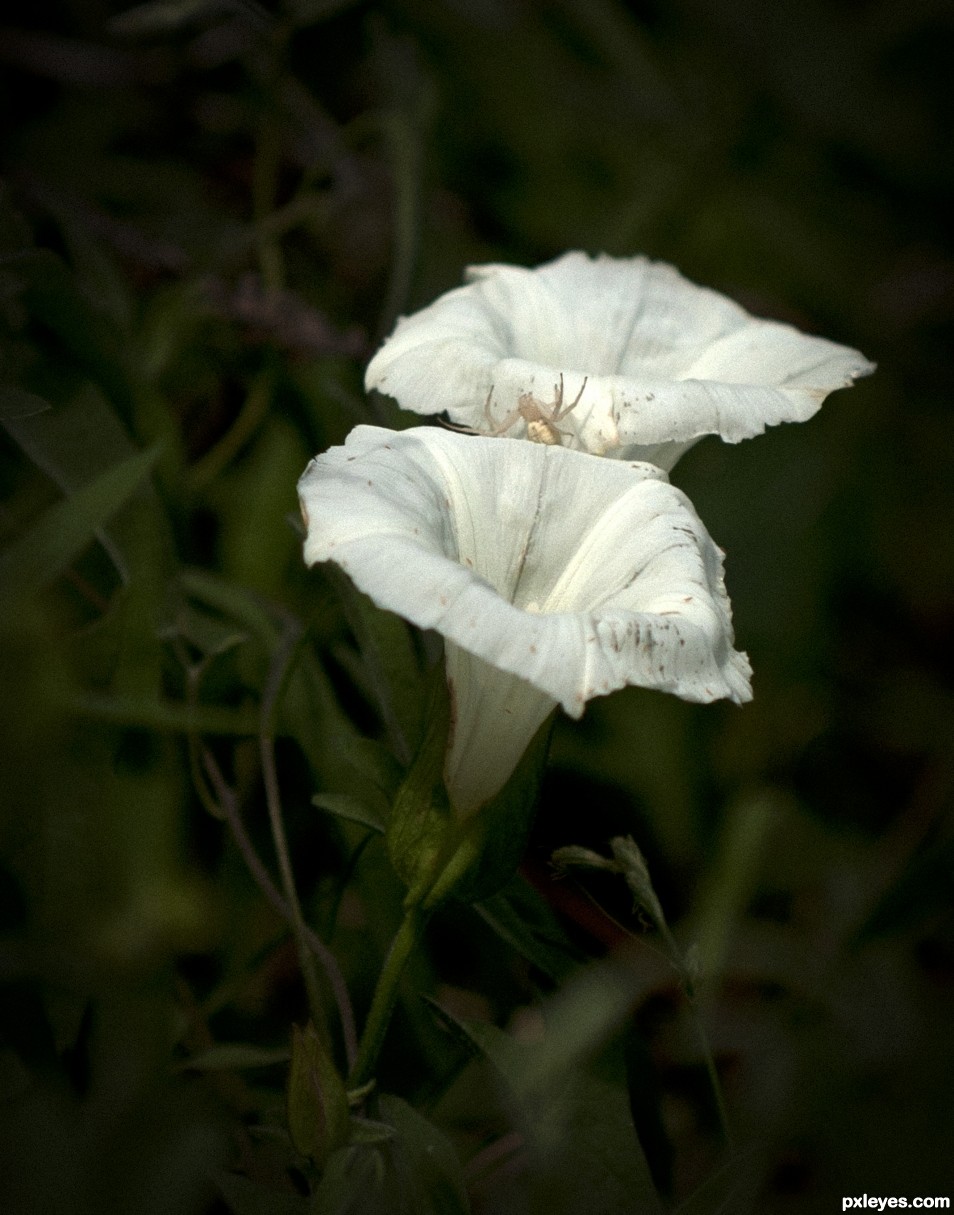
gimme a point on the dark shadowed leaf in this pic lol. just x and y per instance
(428, 1171)
(52, 295)
(730, 1190)
(58, 537)
(154, 713)
(524, 920)
(245, 1197)
(504, 823)
(584, 1151)
(387, 651)
(234, 1056)
(18, 403)
(168, 16)
(355, 1182)
(343, 805)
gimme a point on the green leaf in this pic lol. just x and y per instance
(520, 917)
(729, 1190)
(204, 631)
(732, 878)
(75, 442)
(168, 16)
(244, 1197)
(318, 1113)
(18, 403)
(411, 1171)
(389, 658)
(922, 891)
(166, 716)
(343, 805)
(367, 1130)
(335, 750)
(580, 1019)
(310, 12)
(578, 1128)
(234, 1056)
(355, 1182)
(61, 534)
(504, 823)
(51, 294)
(230, 599)
(429, 1175)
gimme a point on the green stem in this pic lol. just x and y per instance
(692, 995)
(385, 995)
(305, 959)
(264, 188)
(404, 147)
(407, 936)
(711, 1071)
(698, 1024)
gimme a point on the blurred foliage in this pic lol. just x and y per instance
(212, 211)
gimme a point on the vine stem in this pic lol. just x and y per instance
(279, 671)
(280, 840)
(336, 981)
(385, 995)
(698, 1024)
(711, 1071)
(421, 902)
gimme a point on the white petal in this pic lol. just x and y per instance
(659, 361)
(577, 576)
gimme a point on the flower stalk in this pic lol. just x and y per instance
(464, 851)
(385, 995)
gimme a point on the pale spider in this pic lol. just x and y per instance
(541, 418)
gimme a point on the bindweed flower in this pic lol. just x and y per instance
(614, 356)
(553, 578)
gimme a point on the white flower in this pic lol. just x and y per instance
(552, 576)
(652, 361)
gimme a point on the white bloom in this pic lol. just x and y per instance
(656, 361)
(552, 576)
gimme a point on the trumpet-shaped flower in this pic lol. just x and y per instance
(614, 356)
(552, 576)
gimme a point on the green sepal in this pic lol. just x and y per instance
(503, 824)
(410, 1168)
(367, 1130)
(421, 819)
(319, 1120)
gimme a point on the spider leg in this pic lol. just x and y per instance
(559, 410)
(455, 426)
(556, 405)
(504, 425)
(495, 431)
(487, 414)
